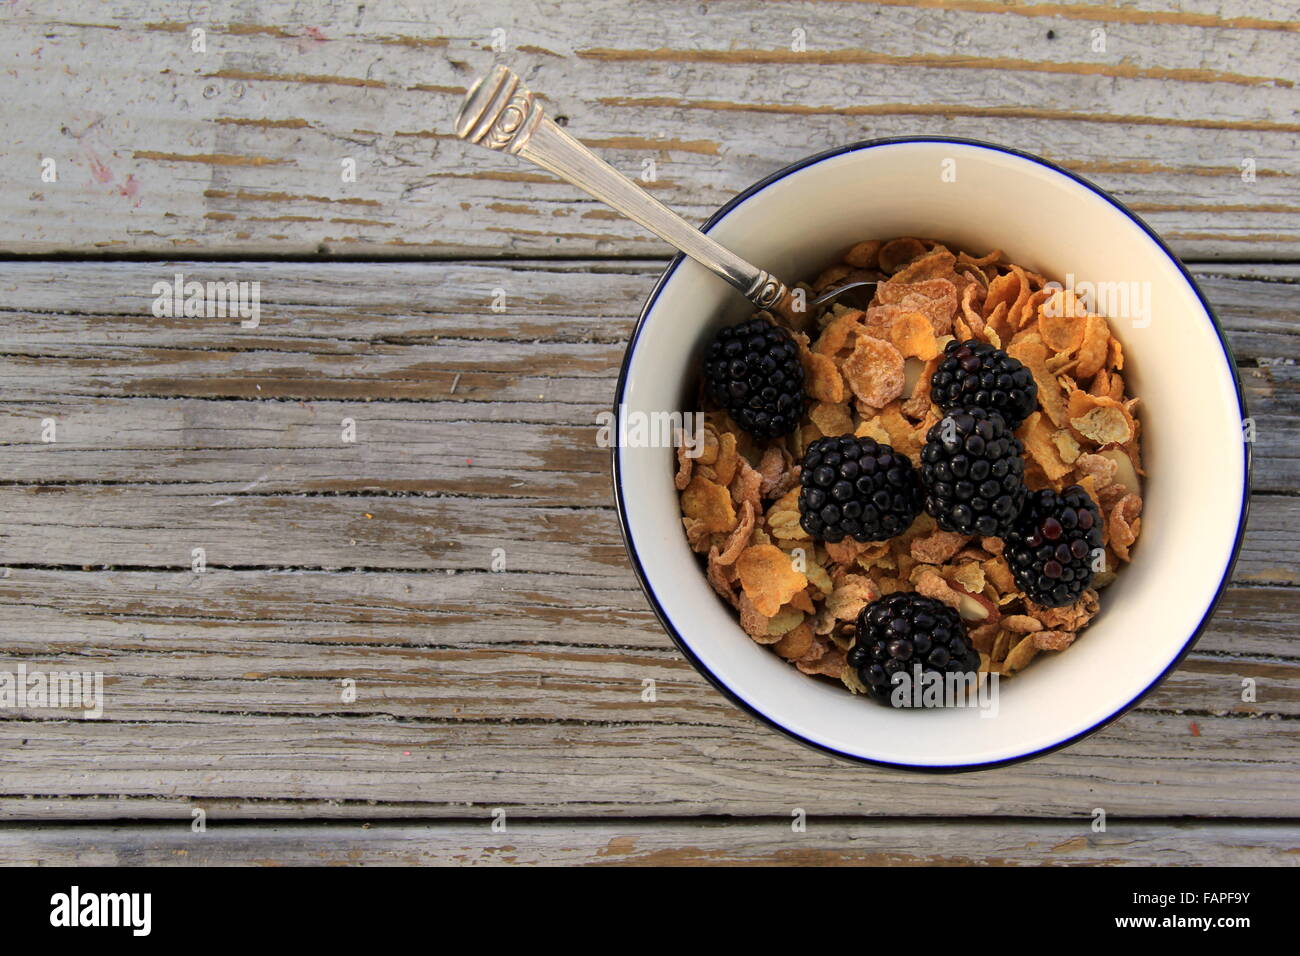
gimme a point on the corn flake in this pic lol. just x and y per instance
(1093, 347)
(1061, 332)
(1104, 425)
(1124, 525)
(823, 379)
(768, 578)
(893, 255)
(795, 642)
(832, 420)
(1039, 438)
(1032, 354)
(865, 255)
(708, 502)
(836, 335)
(1020, 654)
(875, 371)
(913, 335)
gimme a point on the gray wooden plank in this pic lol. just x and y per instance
(223, 690)
(501, 450)
(444, 675)
(517, 391)
(648, 843)
(224, 685)
(158, 526)
(239, 148)
(333, 307)
(1147, 765)
(277, 617)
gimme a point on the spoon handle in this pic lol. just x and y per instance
(500, 113)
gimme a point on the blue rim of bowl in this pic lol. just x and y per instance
(667, 623)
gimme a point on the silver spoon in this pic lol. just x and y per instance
(500, 113)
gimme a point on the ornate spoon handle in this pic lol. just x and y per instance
(500, 113)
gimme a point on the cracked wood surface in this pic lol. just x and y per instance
(370, 561)
(481, 689)
(240, 148)
(657, 843)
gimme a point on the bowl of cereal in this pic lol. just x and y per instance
(961, 522)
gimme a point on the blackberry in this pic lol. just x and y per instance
(753, 371)
(902, 631)
(973, 473)
(1050, 548)
(975, 374)
(857, 487)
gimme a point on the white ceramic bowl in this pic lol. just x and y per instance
(800, 220)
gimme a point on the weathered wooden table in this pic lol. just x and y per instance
(347, 679)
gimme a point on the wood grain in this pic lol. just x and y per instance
(417, 355)
(474, 357)
(656, 843)
(239, 148)
(158, 526)
(371, 562)
(283, 764)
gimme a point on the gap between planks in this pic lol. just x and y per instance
(649, 840)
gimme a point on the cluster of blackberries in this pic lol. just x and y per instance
(973, 469)
(971, 481)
